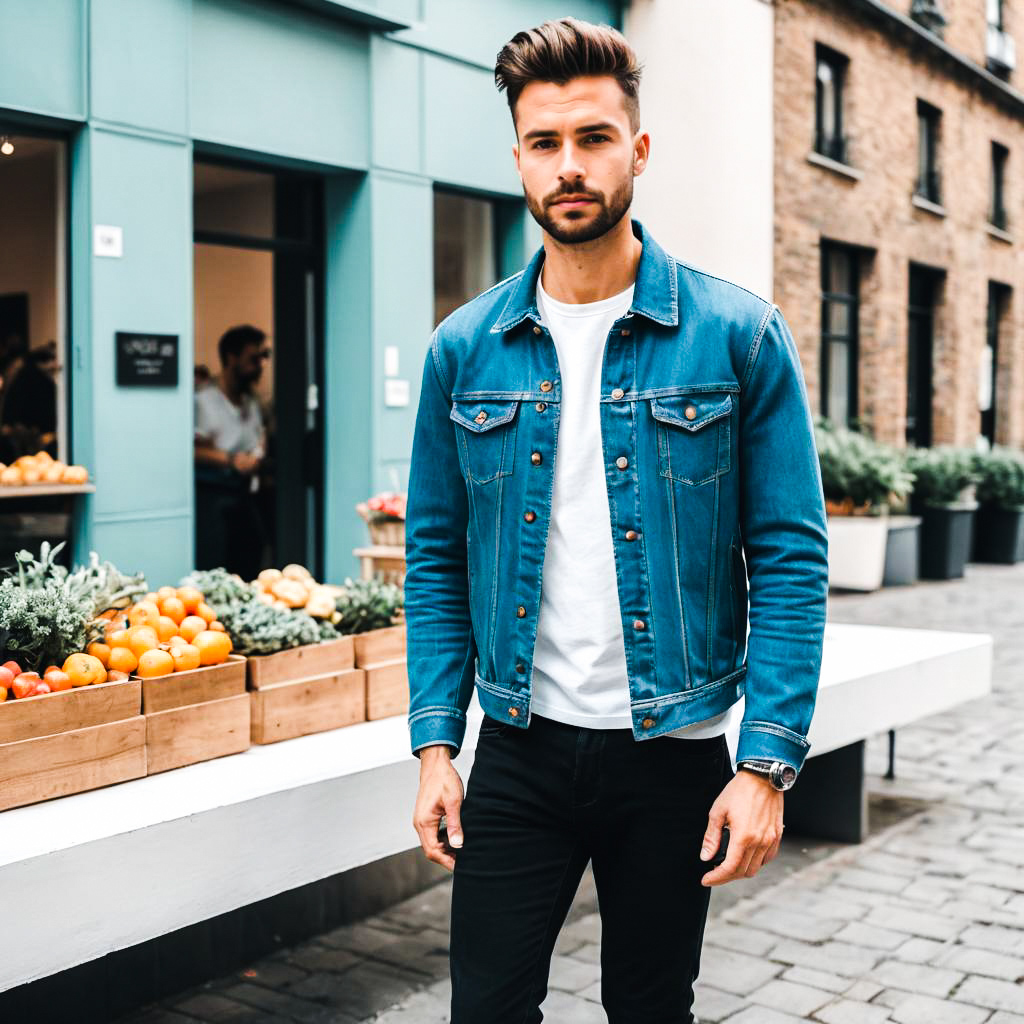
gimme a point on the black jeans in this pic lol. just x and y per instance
(539, 804)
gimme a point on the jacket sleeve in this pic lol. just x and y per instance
(785, 542)
(441, 651)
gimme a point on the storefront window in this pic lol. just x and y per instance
(465, 258)
(32, 307)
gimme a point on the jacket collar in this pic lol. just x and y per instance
(654, 296)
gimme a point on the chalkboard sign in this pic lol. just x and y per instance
(147, 360)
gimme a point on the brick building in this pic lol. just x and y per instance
(899, 128)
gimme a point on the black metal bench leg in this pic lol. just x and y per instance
(891, 773)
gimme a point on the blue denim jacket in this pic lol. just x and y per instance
(719, 499)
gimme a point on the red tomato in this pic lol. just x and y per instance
(57, 680)
(3, 694)
(24, 683)
(13, 666)
(40, 689)
(6, 677)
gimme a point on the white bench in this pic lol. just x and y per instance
(85, 875)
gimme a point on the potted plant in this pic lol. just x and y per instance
(860, 477)
(385, 517)
(944, 498)
(999, 521)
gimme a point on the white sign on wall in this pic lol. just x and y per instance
(107, 240)
(396, 391)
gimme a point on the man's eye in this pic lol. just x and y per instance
(543, 144)
(597, 138)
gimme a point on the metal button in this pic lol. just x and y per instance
(514, 712)
(481, 416)
(648, 722)
(626, 332)
(529, 516)
(541, 406)
(690, 412)
(617, 393)
(536, 458)
(545, 385)
(521, 612)
(639, 624)
(536, 329)
(520, 667)
(622, 462)
(631, 535)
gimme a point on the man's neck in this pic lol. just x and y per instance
(591, 271)
(234, 391)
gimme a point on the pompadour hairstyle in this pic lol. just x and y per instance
(558, 51)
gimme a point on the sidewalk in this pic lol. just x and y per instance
(921, 924)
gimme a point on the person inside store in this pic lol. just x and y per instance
(230, 443)
(28, 398)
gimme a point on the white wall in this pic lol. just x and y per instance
(706, 99)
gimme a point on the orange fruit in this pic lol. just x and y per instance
(174, 608)
(101, 651)
(57, 680)
(165, 592)
(122, 660)
(214, 647)
(155, 663)
(186, 657)
(218, 626)
(145, 613)
(114, 676)
(191, 626)
(118, 638)
(141, 639)
(205, 612)
(190, 598)
(85, 669)
(166, 628)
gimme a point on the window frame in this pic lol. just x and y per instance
(829, 250)
(834, 147)
(929, 179)
(997, 215)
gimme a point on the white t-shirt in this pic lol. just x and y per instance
(579, 670)
(229, 427)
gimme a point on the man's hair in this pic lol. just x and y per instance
(559, 51)
(236, 339)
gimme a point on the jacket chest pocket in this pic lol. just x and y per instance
(694, 440)
(487, 436)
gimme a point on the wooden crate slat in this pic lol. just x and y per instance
(298, 708)
(198, 732)
(301, 662)
(387, 689)
(182, 689)
(80, 708)
(379, 645)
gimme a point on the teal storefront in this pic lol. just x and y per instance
(338, 173)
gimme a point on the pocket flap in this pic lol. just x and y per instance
(483, 414)
(691, 411)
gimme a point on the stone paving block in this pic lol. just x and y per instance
(820, 904)
(210, 1006)
(983, 961)
(591, 992)
(273, 973)
(361, 991)
(862, 991)
(994, 937)
(1002, 1017)
(816, 979)
(991, 992)
(587, 928)
(425, 953)
(891, 863)
(932, 981)
(161, 1015)
(891, 997)
(572, 975)
(313, 958)
(847, 1011)
(589, 953)
(920, 951)
(360, 938)
(872, 881)
(920, 1009)
(743, 939)
(712, 1005)
(795, 926)
(736, 972)
(834, 957)
(858, 934)
(790, 997)
(561, 1007)
(287, 1005)
(916, 922)
(761, 1015)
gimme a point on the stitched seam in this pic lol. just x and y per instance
(755, 345)
(712, 576)
(775, 730)
(715, 277)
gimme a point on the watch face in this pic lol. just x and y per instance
(784, 775)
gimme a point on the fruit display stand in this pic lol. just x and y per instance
(67, 742)
(381, 654)
(196, 715)
(305, 690)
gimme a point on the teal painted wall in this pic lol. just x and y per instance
(384, 118)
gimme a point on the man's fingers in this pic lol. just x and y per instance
(453, 813)
(433, 848)
(713, 834)
(734, 865)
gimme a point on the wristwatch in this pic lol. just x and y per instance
(781, 776)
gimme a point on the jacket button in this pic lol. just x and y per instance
(536, 329)
(639, 624)
(529, 516)
(520, 667)
(617, 393)
(622, 462)
(514, 712)
(541, 406)
(631, 535)
(690, 412)
(481, 416)
(536, 458)
(647, 723)
(626, 332)
(545, 385)
(521, 612)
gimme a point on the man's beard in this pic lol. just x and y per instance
(574, 232)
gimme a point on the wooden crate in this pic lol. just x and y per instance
(306, 662)
(196, 716)
(71, 741)
(282, 711)
(379, 645)
(387, 689)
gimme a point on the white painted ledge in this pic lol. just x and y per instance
(84, 875)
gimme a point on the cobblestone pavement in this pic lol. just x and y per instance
(923, 923)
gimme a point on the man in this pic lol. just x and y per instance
(600, 440)
(230, 442)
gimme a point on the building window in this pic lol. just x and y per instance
(994, 10)
(930, 15)
(928, 183)
(465, 250)
(997, 214)
(830, 78)
(839, 301)
(1000, 46)
(998, 305)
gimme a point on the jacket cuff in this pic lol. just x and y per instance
(437, 725)
(765, 741)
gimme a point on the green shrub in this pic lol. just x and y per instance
(1000, 474)
(367, 604)
(941, 473)
(860, 468)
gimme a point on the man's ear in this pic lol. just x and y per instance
(515, 156)
(641, 153)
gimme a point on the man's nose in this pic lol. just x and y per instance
(571, 167)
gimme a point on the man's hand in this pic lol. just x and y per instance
(245, 463)
(752, 808)
(440, 793)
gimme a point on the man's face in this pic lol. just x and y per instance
(248, 367)
(577, 156)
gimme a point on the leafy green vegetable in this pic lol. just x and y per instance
(258, 628)
(367, 604)
(220, 588)
(40, 625)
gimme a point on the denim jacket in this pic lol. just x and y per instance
(714, 492)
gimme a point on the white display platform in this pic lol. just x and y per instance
(84, 875)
